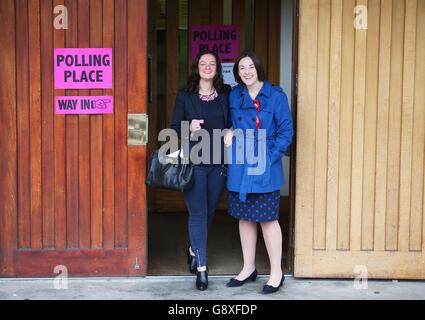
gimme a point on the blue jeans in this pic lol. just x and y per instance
(201, 201)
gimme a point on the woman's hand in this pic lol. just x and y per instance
(195, 125)
(228, 137)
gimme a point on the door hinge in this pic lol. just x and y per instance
(136, 264)
(297, 8)
(293, 238)
(296, 84)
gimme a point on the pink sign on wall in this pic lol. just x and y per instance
(222, 39)
(84, 104)
(83, 68)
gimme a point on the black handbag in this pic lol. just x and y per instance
(174, 175)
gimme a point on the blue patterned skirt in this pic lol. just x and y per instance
(259, 207)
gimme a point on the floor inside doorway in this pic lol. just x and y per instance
(168, 242)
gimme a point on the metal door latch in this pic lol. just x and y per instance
(136, 264)
(137, 129)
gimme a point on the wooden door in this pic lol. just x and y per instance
(72, 192)
(361, 135)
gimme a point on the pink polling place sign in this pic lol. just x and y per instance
(83, 68)
(222, 39)
(84, 104)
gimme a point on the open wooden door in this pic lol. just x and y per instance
(360, 140)
(72, 192)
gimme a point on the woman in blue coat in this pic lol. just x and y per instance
(262, 125)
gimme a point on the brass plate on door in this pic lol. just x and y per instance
(137, 129)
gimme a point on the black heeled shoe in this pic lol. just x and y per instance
(191, 261)
(267, 289)
(202, 280)
(237, 283)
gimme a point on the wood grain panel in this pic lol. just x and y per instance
(47, 138)
(120, 99)
(345, 132)
(8, 139)
(78, 262)
(321, 147)
(334, 124)
(382, 124)
(60, 156)
(261, 19)
(137, 103)
(358, 135)
(153, 111)
(238, 18)
(370, 114)
(394, 126)
(380, 264)
(172, 59)
(216, 11)
(84, 136)
(196, 16)
(306, 138)
(376, 131)
(407, 124)
(23, 126)
(137, 57)
(198, 12)
(417, 213)
(273, 41)
(35, 127)
(96, 143)
(53, 165)
(71, 136)
(108, 131)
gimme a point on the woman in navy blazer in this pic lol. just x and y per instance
(262, 122)
(204, 105)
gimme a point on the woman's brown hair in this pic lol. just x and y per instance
(193, 81)
(257, 63)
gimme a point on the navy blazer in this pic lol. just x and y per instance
(188, 107)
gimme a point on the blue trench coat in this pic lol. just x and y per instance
(247, 172)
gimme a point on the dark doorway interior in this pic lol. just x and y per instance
(169, 60)
(168, 243)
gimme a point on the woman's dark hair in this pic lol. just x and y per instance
(257, 63)
(193, 81)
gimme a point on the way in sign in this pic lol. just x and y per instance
(84, 104)
(71, 104)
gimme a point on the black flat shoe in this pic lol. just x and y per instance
(237, 283)
(191, 261)
(270, 289)
(202, 280)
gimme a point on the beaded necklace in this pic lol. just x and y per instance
(208, 97)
